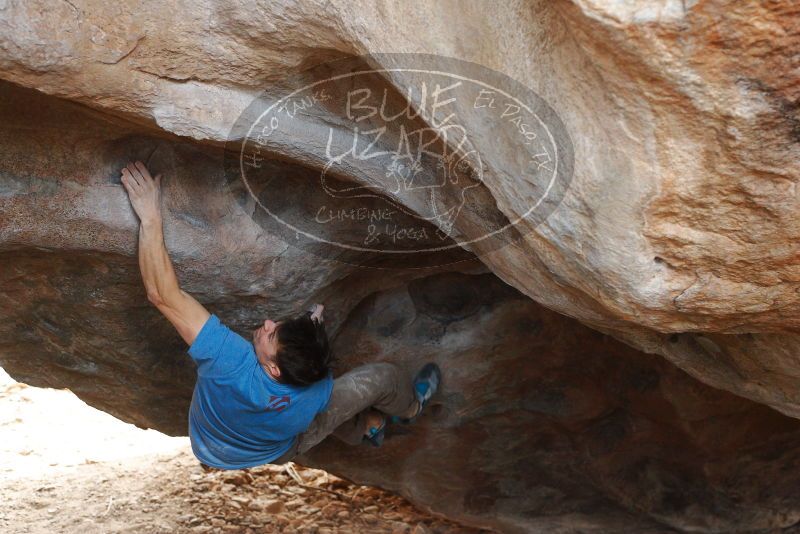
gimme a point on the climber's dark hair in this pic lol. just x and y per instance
(303, 356)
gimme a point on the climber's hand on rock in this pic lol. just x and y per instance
(143, 190)
(316, 312)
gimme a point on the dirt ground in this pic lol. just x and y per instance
(65, 467)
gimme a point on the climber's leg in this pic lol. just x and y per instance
(378, 385)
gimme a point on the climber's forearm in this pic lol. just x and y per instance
(157, 271)
(185, 313)
(181, 309)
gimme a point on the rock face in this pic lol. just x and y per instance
(680, 218)
(676, 234)
(544, 424)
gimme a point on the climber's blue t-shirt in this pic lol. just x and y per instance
(240, 416)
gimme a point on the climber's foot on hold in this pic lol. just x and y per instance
(376, 426)
(426, 383)
(412, 412)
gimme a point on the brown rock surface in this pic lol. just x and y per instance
(677, 235)
(546, 424)
(681, 213)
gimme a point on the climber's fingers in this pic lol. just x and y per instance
(158, 181)
(129, 182)
(316, 312)
(136, 175)
(143, 171)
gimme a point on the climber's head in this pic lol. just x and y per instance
(294, 351)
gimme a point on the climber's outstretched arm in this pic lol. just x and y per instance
(183, 311)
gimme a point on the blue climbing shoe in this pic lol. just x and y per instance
(376, 435)
(426, 383)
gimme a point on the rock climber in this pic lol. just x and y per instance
(268, 400)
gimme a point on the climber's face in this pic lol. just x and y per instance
(265, 341)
